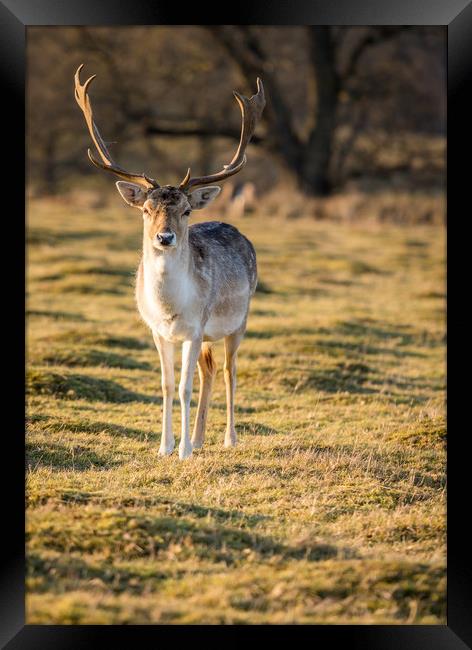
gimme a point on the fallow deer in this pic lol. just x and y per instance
(194, 283)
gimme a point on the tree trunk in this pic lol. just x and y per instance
(308, 161)
(314, 174)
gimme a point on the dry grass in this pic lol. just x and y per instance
(331, 509)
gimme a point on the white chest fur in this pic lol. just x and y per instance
(168, 300)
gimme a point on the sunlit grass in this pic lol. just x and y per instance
(332, 507)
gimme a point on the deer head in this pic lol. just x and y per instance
(166, 209)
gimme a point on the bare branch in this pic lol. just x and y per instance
(187, 130)
(375, 36)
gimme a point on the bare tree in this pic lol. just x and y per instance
(326, 87)
(308, 158)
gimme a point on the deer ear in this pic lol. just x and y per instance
(202, 197)
(133, 194)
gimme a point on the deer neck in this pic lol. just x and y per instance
(167, 276)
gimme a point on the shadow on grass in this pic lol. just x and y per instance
(350, 377)
(221, 406)
(343, 377)
(56, 315)
(432, 294)
(156, 537)
(130, 535)
(256, 429)
(307, 292)
(75, 386)
(93, 338)
(86, 288)
(408, 384)
(59, 457)
(382, 332)
(67, 570)
(59, 425)
(262, 287)
(264, 312)
(358, 267)
(179, 508)
(363, 348)
(415, 243)
(262, 334)
(113, 271)
(128, 342)
(243, 409)
(39, 236)
(335, 281)
(283, 331)
(89, 357)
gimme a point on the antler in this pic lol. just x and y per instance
(251, 111)
(108, 164)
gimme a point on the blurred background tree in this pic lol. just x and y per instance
(362, 105)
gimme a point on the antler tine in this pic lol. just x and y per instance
(251, 111)
(186, 178)
(107, 164)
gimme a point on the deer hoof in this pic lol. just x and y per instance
(231, 440)
(166, 450)
(185, 451)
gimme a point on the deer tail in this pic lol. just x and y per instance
(207, 359)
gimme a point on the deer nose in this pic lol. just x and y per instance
(166, 238)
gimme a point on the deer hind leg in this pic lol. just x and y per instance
(166, 355)
(232, 343)
(206, 372)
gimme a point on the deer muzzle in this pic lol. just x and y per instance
(166, 239)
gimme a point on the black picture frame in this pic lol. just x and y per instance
(15, 17)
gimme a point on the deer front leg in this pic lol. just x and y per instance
(232, 343)
(190, 353)
(166, 355)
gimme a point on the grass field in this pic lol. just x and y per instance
(332, 507)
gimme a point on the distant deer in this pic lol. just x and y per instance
(241, 200)
(194, 283)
